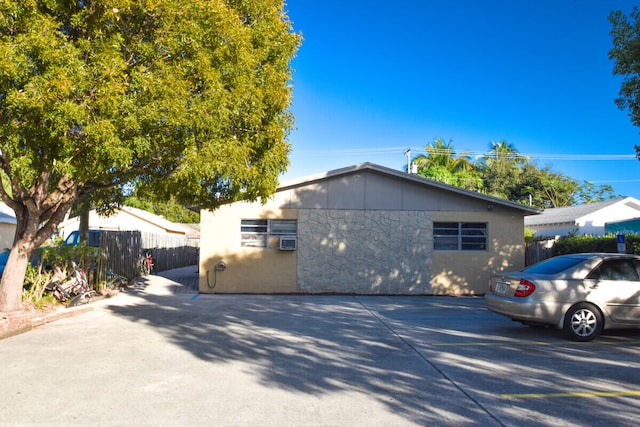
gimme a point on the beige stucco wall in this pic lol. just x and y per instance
(248, 270)
(364, 251)
(356, 251)
(364, 230)
(467, 272)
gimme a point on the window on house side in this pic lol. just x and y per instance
(460, 236)
(255, 232)
(283, 227)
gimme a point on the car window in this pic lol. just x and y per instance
(553, 265)
(72, 239)
(615, 269)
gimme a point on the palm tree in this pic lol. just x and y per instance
(501, 169)
(505, 152)
(442, 164)
(442, 155)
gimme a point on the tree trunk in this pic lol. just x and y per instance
(36, 220)
(83, 225)
(13, 278)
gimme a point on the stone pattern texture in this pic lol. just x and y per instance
(379, 252)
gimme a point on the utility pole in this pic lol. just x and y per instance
(408, 154)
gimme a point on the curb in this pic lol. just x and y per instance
(47, 318)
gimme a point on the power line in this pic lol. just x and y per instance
(402, 150)
(471, 154)
(609, 181)
(341, 152)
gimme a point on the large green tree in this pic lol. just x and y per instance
(508, 174)
(188, 98)
(542, 187)
(591, 193)
(626, 54)
(167, 208)
(505, 173)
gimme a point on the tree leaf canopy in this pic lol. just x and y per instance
(96, 94)
(187, 99)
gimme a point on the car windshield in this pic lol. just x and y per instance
(553, 265)
(74, 238)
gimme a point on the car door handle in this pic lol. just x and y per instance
(594, 286)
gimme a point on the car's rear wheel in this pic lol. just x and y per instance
(583, 322)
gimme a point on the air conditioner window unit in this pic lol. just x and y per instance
(288, 243)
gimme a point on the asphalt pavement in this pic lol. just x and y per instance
(163, 355)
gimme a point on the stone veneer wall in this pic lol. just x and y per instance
(365, 251)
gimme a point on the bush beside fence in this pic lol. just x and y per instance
(578, 244)
(540, 250)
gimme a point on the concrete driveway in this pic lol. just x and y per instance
(162, 354)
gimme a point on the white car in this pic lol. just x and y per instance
(582, 294)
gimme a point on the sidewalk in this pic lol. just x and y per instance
(12, 324)
(177, 281)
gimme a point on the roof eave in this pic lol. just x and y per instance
(528, 210)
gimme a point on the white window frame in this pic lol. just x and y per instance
(283, 227)
(255, 232)
(460, 236)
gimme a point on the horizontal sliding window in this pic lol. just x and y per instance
(460, 236)
(255, 232)
(283, 227)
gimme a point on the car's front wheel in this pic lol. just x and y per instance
(583, 322)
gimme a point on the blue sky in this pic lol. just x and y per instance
(373, 78)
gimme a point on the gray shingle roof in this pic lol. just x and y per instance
(7, 216)
(7, 219)
(570, 214)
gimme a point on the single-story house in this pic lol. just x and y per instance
(127, 218)
(364, 229)
(7, 226)
(587, 219)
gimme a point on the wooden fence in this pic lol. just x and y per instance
(121, 252)
(538, 251)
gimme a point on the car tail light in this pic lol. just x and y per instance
(524, 288)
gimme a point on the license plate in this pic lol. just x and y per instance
(502, 287)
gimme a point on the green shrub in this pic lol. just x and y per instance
(529, 235)
(35, 281)
(582, 244)
(63, 256)
(45, 261)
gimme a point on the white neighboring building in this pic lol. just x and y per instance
(589, 219)
(127, 218)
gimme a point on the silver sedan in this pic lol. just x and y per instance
(582, 294)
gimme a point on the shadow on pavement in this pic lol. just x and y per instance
(316, 345)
